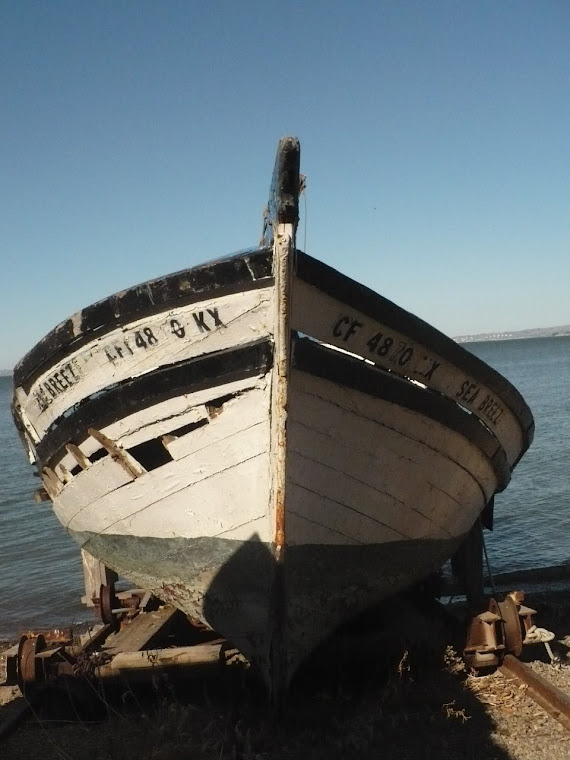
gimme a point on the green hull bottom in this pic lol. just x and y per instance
(236, 589)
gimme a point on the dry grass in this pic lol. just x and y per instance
(422, 704)
(354, 714)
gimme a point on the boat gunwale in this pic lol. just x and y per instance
(246, 270)
(330, 281)
(234, 364)
(126, 306)
(186, 377)
(359, 375)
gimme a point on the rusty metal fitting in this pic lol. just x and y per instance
(28, 666)
(501, 629)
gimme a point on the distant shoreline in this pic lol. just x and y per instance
(537, 332)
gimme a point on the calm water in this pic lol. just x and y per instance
(41, 579)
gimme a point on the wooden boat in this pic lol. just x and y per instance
(265, 443)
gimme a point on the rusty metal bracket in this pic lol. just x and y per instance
(500, 630)
(108, 602)
(28, 670)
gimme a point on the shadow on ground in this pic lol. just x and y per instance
(364, 698)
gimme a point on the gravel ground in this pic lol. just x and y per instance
(419, 707)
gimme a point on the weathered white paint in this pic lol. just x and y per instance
(364, 422)
(319, 316)
(103, 477)
(215, 505)
(161, 419)
(359, 470)
(145, 345)
(218, 482)
(245, 411)
(376, 478)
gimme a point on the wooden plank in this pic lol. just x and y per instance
(103, 477)
(150, 662)
(118, 453)
(363, 423)
(163, 417)
(303, 530)
(283, 215)
(235, 274)
(79, 457)
(320, 316)
(63, 473)
(214, 490)
(355, 295)
(248, 409)
(145, 629)
(51, 482)
(361, 511)
(362, 384)
(95, 575)
(383, 474)
(228, 502)
(137, 348)
(410, 510)
(163, 384)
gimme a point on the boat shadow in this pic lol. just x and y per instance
(389, 683)
(371, 697)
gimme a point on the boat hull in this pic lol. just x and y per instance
(227, 584)
(383, 482)
(265, 443)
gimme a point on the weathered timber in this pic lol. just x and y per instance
(181, 660)
(327, 280)
(95, 575)
(162, 384)
(244, 271)
(351, 372)
(144, 631)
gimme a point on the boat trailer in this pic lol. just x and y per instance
(140, 640)
(136, 639)
(139, 637)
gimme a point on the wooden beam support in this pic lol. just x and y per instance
(126, 460)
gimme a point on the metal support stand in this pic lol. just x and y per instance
(501, 629)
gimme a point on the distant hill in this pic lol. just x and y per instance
(535, 332)
(5, 372)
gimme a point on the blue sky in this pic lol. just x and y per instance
(137, 138)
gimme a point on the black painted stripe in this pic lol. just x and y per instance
(375, 306)
(314, 358)
(164, 383)
(247, 270)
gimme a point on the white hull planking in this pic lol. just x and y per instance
(363, 470)
(320, 316)
(359, 470)
(217, 483)
(142, 346)
(163, 417)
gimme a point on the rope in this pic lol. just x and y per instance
(536, 635)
